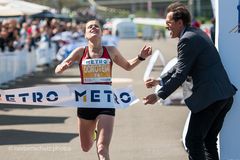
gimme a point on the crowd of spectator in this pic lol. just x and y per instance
(15, 35)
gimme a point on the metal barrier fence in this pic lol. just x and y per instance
(21, 62)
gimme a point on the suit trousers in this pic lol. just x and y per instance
(203, 130)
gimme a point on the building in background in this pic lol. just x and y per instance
(199, 8)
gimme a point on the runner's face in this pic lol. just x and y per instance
(93, 30)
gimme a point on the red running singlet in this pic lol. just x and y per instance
(96, 70)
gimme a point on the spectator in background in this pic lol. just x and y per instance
(196, 23)
(3, 38)
(9, 36)
(23, 34)
(13, 37)
(108, 39)
(33, 34)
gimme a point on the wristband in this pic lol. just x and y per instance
(140, 58)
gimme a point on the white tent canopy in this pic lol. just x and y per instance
(8, 12)
(5, 2)
(26, 8)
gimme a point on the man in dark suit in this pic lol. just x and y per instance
(209, 93)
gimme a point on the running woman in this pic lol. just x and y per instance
(95, 64)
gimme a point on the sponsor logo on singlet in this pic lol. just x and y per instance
(96, 70)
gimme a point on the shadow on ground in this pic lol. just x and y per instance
(13, 136)
(17, 120)
(9, 107)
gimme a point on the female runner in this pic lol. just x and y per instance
(95, 63)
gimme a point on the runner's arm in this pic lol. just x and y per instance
(74, 56)
(132, 63)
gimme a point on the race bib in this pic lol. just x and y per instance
(96, 70)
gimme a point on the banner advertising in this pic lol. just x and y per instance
(84, 96)
(228, 44)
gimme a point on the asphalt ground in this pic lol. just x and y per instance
(140, 132)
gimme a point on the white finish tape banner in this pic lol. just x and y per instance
(83, 96)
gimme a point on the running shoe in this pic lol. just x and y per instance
(95, 135)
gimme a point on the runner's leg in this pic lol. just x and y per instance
(105, 130)
(86, 130)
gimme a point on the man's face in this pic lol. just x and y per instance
(175, 27)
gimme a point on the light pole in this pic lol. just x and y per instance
(190, 7)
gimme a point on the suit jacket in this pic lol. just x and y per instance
(199, 60)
